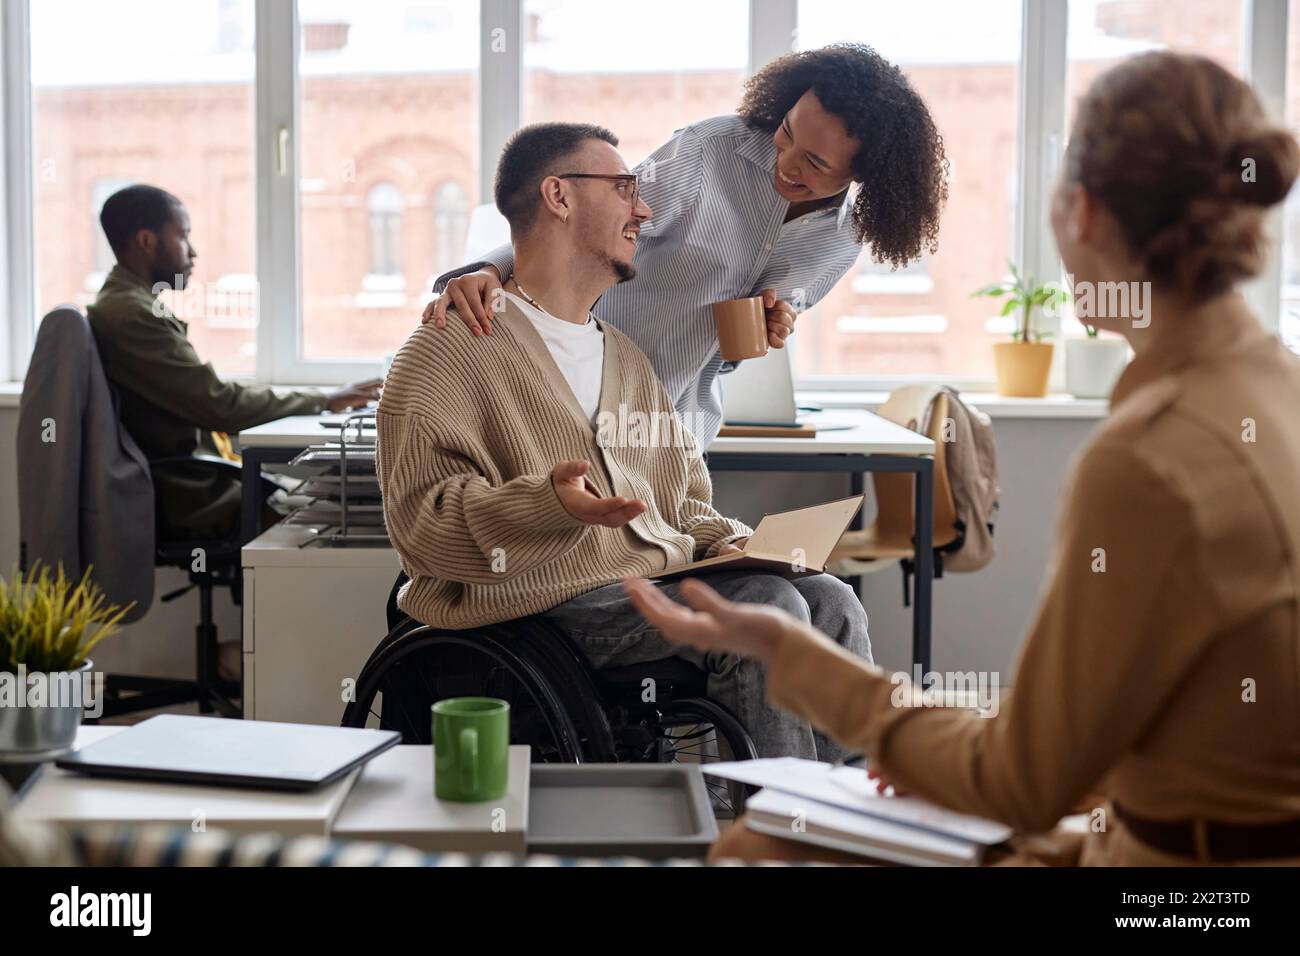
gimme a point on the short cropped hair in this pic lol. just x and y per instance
(137, 207)
(530, 155)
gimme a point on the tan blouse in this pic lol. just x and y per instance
(1167, 677)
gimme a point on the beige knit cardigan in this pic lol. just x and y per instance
(469, 429)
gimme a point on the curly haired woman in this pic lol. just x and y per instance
(758, 203)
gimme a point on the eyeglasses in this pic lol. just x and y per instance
(627, 182)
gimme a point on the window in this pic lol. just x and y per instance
(1103, 32)
(1289, 315)
(173, 110)
(450, 225)
(921, 321)
(396, 128)
(641, 76)
(389, 113)
(385, 206)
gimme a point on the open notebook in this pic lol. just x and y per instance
(792, 543)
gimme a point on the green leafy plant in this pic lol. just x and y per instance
(50, 624)
(1024, 295)
(1090, 330)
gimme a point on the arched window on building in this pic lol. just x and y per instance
(450, 220)
(384, 204)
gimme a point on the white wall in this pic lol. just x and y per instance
(979, 619)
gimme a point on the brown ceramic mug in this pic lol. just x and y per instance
(742, 328)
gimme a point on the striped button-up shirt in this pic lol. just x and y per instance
(717, 231)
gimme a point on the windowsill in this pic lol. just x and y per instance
(997, 406)
(1056, 405)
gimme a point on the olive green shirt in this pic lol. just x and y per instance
(170, 399)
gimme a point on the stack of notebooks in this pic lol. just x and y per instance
(838, 807)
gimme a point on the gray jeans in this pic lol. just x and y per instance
(612, 632)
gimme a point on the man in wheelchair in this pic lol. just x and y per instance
(512, 482)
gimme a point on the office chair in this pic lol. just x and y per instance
(210, 563)
(59, 490)
(891, 538)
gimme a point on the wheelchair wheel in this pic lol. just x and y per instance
(428, 665)
(698, 730)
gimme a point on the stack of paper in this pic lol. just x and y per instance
(839, 808)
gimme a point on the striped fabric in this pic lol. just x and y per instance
(469, 430)
(716, 232)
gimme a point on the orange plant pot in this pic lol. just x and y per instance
(1023, 368)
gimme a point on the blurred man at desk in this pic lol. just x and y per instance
(172, 402)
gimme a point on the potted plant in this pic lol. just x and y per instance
(1093, 363)
(48, 626)
(1024, 363)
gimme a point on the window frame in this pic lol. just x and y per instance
(772, 29)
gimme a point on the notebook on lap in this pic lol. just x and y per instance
(792, 543)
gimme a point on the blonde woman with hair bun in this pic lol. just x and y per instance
(1159, 685)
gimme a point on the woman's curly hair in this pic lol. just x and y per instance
(901, 164)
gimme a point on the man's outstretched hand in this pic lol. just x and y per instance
(567, 477)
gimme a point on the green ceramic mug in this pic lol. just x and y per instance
(471, 748)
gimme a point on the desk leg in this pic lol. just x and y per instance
(924, 563)
(250, 508)
(859, 522)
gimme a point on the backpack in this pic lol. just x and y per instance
(970, 471)
(972, 466)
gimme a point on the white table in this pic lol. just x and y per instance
(870, 443)
(389, 800)
(393, 802)
(61, 796)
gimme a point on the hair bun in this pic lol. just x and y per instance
(1260, 167)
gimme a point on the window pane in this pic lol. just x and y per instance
(1104, 32)
(389, 123)
(115, 102)
(641, 76)
(1289, 317)
(921, 321)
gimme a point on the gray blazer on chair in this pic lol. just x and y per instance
(85, 495)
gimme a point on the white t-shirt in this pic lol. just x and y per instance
(579, 351)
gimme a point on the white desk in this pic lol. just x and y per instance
(72, 799)
(870, 444)
(390, 800)
(869, 435)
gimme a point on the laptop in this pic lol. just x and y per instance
(761, 392)
(233, 753)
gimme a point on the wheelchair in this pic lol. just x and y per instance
(562, 708)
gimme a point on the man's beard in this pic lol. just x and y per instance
(625, 271)
(174, 279)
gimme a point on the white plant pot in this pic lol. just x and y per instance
(1092, 366)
